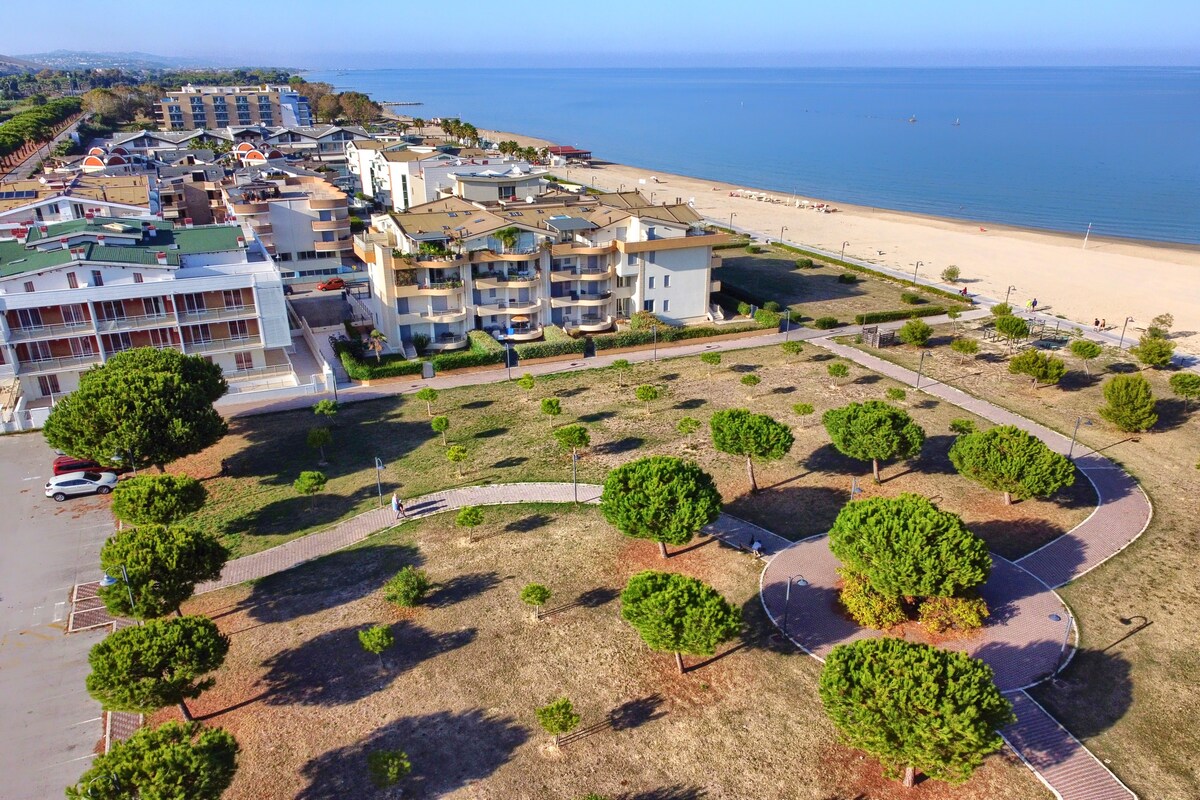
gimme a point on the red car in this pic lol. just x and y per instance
(64, 464)
(331, 284)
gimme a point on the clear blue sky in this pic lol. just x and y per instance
(369, 33)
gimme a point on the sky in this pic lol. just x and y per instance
(320, 34)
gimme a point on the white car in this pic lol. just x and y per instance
(60, 487)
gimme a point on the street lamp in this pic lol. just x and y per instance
(842, 257)
(109, 580)
(575, 473)
(1007, 293)
(732, 214)
(916, 267)
(508, 357)
(1123, 327)
(655, 329)
(787, 598)
(378, 481)
(781, 230)
(920, 367)
(1074, 433)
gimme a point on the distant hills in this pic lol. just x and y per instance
(82, 59)
(9, 65)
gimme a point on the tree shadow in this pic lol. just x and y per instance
(745, 368)
(677, 792)
(528, 524)
(578, 390)
(332, 668)
(867, 380)
(934, 457)
(826, 459)
(1091, 695)
(448, 751)
(491, 433)
(783, 390)
(1014, 538)
(600, 596)
(690, 405)
(597, 416)
(511, 461)
(330, 581)
(625, 445)
(1124, 368)
(633, 714)
(290, 513)
(462, 587)
(477, 404)
(1171, 414)
(670, 376)
(1074, 381)
(822, 357)
(793, 512)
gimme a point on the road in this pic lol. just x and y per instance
(25, 168)
(48, 723)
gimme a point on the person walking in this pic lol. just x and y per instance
(397, 506)
(1033, 303)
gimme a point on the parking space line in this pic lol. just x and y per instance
(86, 721)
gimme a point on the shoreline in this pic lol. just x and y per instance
(1113, 278)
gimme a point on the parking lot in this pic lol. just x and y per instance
(50, 724)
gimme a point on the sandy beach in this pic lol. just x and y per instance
(1110, 279)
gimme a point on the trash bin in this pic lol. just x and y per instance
(427, 370)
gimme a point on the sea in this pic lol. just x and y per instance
(1050, 148)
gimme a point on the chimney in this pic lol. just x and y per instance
(241, 240)
(100, 238)
(187, 222)
(151, 231)
(21, 234)
(160, 257)
(77, 253)
(89, 216)
(42, 229)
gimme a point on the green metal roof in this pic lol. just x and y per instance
(17, 258)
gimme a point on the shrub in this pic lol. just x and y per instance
(647, 393)
(837, 370)
(751, 380)
(771, 305)
(466, 358)
(1002, 310)
(826, 323)
(911, 298)
(873, 317)
(469, 517)
(391, 366)
(1038, 366)
(767, 319)
(962, 426)
(803, 409)
(1153, 351)
(753, 248)
(407, 587)
(847, 277)
(896, 395)
(951, 274)
(535, 594)
(387, 767)
(915, 332)
(551, 349)
(965, 347)
(939, 614)
(1183, 384)
(804, 263)
(1011, 328)
(795, 316)
(743, 309)
(792, 348)
(688, 425)
(1130, 403)
(644, 321)
(867, 607)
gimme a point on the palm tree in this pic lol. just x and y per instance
(418, 123)
(508, 237)
(376, 340)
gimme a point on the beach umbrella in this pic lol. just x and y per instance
(520, 318)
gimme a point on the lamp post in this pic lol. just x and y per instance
(921, 367)
(732, 214)
(575, 473)
(1007, 293)
(916, 267)
(654, 328)
(508, 357)
(1074, 433)
(378, 480)
(787, 598)
(109, 580)
(842, 257)
(1121, 343)
(781, 230)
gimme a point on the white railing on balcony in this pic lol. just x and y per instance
(57, 364)
(217, 345)
(129, 323)
(49, 331)
(217, 314)
(258, 372)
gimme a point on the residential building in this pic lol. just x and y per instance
(192, 194)
(400, 175)
(74, 293)
(222, 106)
(302, 221)
(513, 266)
(58, 198)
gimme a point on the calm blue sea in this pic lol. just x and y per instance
(1045, 148)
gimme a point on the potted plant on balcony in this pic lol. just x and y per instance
(508, 237)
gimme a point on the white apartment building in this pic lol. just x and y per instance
(74, 293)
(220, 106)
(302, 222)
(60, 198)
(400, 175)
(513, 266)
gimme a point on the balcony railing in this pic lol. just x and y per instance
(42, 365)
(219, 345)
(28, 333)
(581, 273)
(331, 225)
(217, 314)
(133, 323)
(510, 307)
(258, 372)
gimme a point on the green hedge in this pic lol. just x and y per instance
(387, 367)
(837, 262)
(466, 358)
(902, 313)
(550, 349)
(484, 341)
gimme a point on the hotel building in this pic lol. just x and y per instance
(74, 293)
(224, 106)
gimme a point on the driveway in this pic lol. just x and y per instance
(50, 725)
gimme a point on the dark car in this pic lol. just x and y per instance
(331, 284)
(65, 464)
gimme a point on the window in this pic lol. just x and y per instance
(650, 282)
(631, 259)
(666, 305)
(193, 303)
(110, 309)
(666, 280)
(152, 306)
(82, 347)
(137, 277)
(232, 298)
(238, 329)
(651, 257)
(72, 281)
(97, 278)
(116, 342)
(48, 385)
(29, 317)
(29, 286)
(73, 314)
(244, 361)
(197, 333)
(648, 305)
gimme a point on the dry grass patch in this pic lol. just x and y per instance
(459, 689)
(1117, 692)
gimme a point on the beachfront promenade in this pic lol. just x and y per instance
(1028, 643)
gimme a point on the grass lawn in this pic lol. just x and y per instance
(509, 439)
(458, 691)
(1119, 695)
(772, 275)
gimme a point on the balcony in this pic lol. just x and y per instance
(217, 314)
(260, 227)
(430, 261)
(331, 225)
(334, 246)
(581, 249)
(446, 315)
(578, 299)
(448, 342)
(223, 345)
(327, 203)
(581, 274)
(515, 280)
(588, 324)
(243, 209)
(33, 332)
(257, 373)
(46, 365)
(509, 307)
(519, 254)
(135, 323)
(523, 334)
